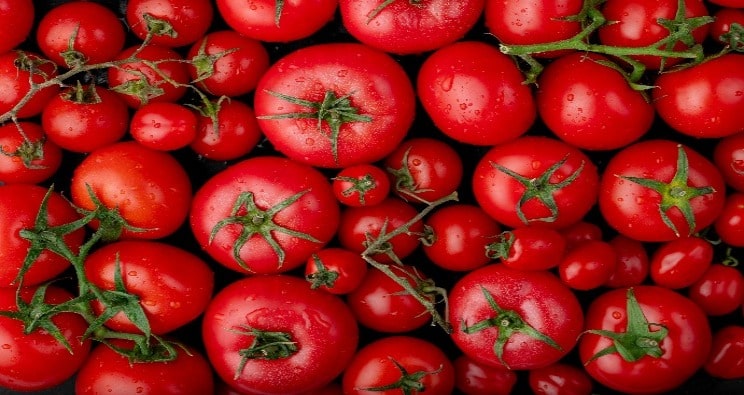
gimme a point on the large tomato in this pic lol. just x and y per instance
(335, 105)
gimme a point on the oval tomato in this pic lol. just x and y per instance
(719, 290)
(588, 265)
(728, 156)
(163, 126)
(679, 263)
(728, 225)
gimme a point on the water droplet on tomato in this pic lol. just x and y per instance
(149, 303)
(6, 346)
(570, 97)
(446, 83)
(463, 106)
(739, 93)
(309, 141)
(617, 315)
(416, 162)
(536, 164)
(174, 305)
(342, 73)
(132, 273)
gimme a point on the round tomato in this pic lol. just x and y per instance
(728, 156)
(265, 214)
(728, 225)
(719, 290)
(16, 22)
(274, 335)
(726, 358)
(18, 69)
(26, 155)
(225, 130)
(336, 270)
(473, 378)
(361, 185)
(588, 265)
(171, 23)
(335, 105)
(680, 262)
(163, 126)
(529, 247)
(720, 28)
(560, 379)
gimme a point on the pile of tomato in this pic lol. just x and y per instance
(371, 196)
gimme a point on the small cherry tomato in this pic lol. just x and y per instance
(588, 265)
(361, 185)
(719, 291)
(336, 270)
(679, 263)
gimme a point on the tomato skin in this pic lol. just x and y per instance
(703, 101)
(349, 266)
(588, 265)
(272, 180)
(12, 143)
(726, 359)
(107, 371)
(14, 83)
(560, 379)
(163, 126)
(679, 263)
(685, 348)
(37, 361)
(19, 206)
(190, 19)
(539, 297)
(718, 291)
(150, 189)
(16, 22)
(361, 185)
(728, 225)
(323, 327)
(473, 378)
(728, 156)
(409, 28)
(468, 87)
(590, 105)
(633, 210)
(373, 366)
(499, 194)
(376, 85)
(632, 264)
(98, 33)
(173, 285)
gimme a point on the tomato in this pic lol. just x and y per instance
(173, 286)
(19, 208)
(535, 180)
(636, 342)
(361, 185)
(591, 105)
(719, 290)
(404, 27)
(26, 155)
(172, 23)
(469, 87)
(80, 32)
(728, 225)
(588, 265)
(226, 129)
(529, 247)
(163, 126)
(226, 63)
(335, 105)
(473, 378)
(726, 358)
(728, 3)
(560, 379)
(277, 21)
(18, 69)
(579, 232)
(457, 236)
(515, 318)
(728, 156)
(148, 188)
(723, 19)
(635, 23)
(424, 169)
(660, 190)
(336, 270)
(16, 22)
(274, 335)
(632, 265)
(138, 83)
(399, 364)
(107, 371)
(85, 118)
(265, 214)
(704, 100)
(37, 361)
(679, 263)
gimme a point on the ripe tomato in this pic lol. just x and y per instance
(473, 378)
(535, 180)
(632, 265)
(265, 214)
(26, 155)
(529, 247)
(579, 232)
(173, 23)
(636, 343)
(591, 105)
(680, 262)
(726, 358)
(80, 32)
(399, 364)
(515, 318)
(335, 270)
(660, 190)
(335, 105)
(18, 69)
(404, 27)
(723, 19)
(225, 130)
(560, 379)
(16, 22)
(163, 126)
(274, 335)
(705, 100)
(588, 265)
(173, 286)
(149, 189)
(361, 185)
(728, 156)
(469, 87)
(728, 225)
(719, 290)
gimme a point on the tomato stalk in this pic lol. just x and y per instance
(28, 151)
(404, 182)
(408, 383)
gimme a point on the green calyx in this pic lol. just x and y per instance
(408, 383)
(358, 185)
(159, 27)
(323, 276)
(82, 94)
(71, 56)
(266, 345)
(507, 322)
(404, 182)
(734, 38)
(28, 152)
(638, 340)
(386, 3)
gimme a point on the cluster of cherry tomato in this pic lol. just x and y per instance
(371, 196)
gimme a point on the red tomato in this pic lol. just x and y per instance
(728, 156)
(579, 232)
(679, 263)
(660, 190)
(274, 335)
(16, 76)
(723, 19)
(632, 264)
(719, 290)
(588, 265)
(271, 21)
(37, 361)
(16, 22)
(726, 358)
(149, 189)
(467, 88)
(535, 180)
(399, 364)
(361, 185)
(171, 23)
(336, 270)
(560, 379)
(19, 207)
(80, 32)
(265, 214)
(473, 378)
(728, 225)
(107, 371)
(163, 126)
(591, 105)
(404, 27)
(636, 343)
(173, 286)
(26, 155)
(226, 129)
(335, 105)
(515, 318)
(529, 247)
